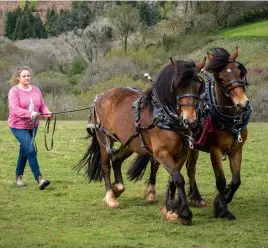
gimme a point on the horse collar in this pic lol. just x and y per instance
(166, 116)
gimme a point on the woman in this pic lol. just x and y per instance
(25, 105)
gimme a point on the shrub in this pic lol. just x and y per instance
(116, 66)
(75, 79)
(86, 98)
(62, 102)
(142, 58)
(77, 66)
(52, 82)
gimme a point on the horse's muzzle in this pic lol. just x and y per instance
(189, 123)
(242, 106)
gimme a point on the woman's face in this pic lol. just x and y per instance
(25, 77)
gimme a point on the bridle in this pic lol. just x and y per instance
(196, 96)
(240, 83)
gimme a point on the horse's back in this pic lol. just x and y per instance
(116, 98)
(114, 109)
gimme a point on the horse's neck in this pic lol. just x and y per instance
(223, 100)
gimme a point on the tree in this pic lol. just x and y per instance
(51, 22)
(126, 19)
(81, 15)
(22, 28)
(10, 22)
(39, 28)
(88, 42)
(78, 18)
(26, 25)
(148, 13)
(63, 21)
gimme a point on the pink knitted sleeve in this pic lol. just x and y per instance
(14, 105)
(43, 107)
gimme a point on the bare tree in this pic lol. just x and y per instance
(126, 19)
(89, 42)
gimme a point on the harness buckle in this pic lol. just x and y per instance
(190, 141)
(239, 138)
(191, 146)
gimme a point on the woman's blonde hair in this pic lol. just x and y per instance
(16, 74)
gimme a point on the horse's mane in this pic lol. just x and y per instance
(169, 80)
(219, 61)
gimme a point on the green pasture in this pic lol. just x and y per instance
(70, 212)
(252, 29)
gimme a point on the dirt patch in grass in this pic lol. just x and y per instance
(258, 71)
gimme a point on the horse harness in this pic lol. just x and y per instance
(213, 115)
(164, 117)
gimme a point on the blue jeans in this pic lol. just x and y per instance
(27, 151)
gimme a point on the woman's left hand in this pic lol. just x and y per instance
(48, 115)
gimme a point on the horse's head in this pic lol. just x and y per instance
(188, 87)
(230, 75)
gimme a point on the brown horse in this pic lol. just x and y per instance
(154, 123)
(226, 112)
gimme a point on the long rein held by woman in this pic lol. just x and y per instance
(47, 125)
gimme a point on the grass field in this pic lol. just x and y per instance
(70, 212)
(252, 29)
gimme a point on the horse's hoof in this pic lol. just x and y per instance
(118, 189)
(150, 198)
(149, 194)
(172, 216)
(224, 213)
(111, 204)
(230, 217)
(168, 215)
(163, 211)
(197, 203)
(110, 200)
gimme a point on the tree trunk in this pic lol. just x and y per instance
(125, 44)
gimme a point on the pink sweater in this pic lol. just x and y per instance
(18, 103)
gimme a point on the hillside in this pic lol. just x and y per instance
(253, 29)
(252, 53)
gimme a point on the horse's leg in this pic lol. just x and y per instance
(149, 190)
(118, 185)
(220, 205)
(170, 196)
(194, 197)
(235, 166)
(177, 209)
(109, 199)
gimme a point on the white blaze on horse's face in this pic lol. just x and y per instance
(237, 94)
(189, 104)
(189, 116)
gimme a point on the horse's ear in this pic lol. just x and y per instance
(234, 54)
(173, 64)
(210, 56)
(201, 65)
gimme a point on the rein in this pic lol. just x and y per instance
(47, 125)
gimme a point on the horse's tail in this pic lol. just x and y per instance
(92, 158)
(137, 169)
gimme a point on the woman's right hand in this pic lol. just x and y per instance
(35, 115)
